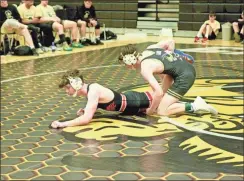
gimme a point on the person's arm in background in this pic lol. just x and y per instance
(81, 14)
(16, 14)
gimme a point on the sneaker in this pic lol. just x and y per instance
(84, 42)
(98, 41)
(66, 47)
(204, 40)
(39, 51)
(77, 45)
(59, 47)
(91, 42)
(237, 37)
(46, 49)
(197, 39)
(199, 105)
(34, 52)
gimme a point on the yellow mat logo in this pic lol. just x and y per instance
(227, 127)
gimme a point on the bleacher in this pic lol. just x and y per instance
(126, 14)
(113, 13)
(194, 12)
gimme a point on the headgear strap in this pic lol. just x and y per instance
(129, 59)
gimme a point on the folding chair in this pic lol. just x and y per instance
(91, 33)
(10, 37)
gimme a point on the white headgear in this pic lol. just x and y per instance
(76, 83)
(130, 59)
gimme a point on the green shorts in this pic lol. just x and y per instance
(182, 83)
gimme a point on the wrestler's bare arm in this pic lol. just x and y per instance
(89, 111)
(147, 70)
(166, 81)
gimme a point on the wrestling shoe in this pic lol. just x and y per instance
(200, 106)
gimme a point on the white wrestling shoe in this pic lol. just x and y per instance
(199, 105)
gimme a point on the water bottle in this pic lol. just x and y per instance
(53, 47)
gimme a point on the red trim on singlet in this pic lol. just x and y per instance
(123, 103)
(149, 96)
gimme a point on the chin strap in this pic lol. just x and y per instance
(76, 83)
(129, 59)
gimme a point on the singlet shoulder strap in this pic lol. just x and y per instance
(88, 87)
(150, 53)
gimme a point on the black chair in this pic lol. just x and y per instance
(185, 25)
(220, 17)
(217, 1)
(196, 26)
(62, 14)
(186, 1)
(200, 1)
(71, 13)
(234, 1)
(186, 8)
(230, 17)
(200, 8)
(185, 17)
(233, 8)
(200, 17)
(217, 8)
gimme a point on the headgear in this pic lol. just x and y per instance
(76, 83)
(129, 59)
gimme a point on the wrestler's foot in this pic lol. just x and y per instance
(201, 106)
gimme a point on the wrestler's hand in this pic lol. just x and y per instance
(80, 112)
(57, 124)
(149, 111)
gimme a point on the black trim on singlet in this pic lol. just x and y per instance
(113, 105)
(153, 50)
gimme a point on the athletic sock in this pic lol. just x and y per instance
(189, 107)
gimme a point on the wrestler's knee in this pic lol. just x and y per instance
(162, 112)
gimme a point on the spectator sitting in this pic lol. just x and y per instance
(238, 28)
(209, 30)
(46, 14)
(10, 23)
(86, 16)
(27, 14)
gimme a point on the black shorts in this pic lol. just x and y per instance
(240, 24)
(136, 102)
(44, 26)
(211, 37)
